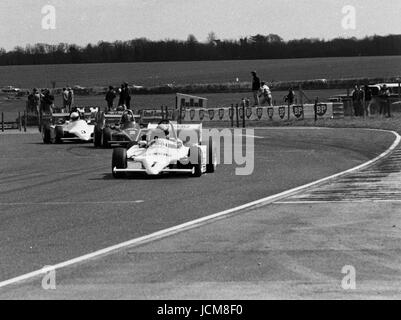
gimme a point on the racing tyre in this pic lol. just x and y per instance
(107, 136)
(195, 156)
(119, 161)
(97, 137)
(46, 135)
(59, 134)
(211, 158)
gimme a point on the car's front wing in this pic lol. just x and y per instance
(166, 170)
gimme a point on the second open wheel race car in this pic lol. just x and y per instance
(115, 128)
(74, 126)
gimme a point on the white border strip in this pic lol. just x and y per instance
(198, 222)
(339, 201)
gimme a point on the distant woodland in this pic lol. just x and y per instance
(270, 46)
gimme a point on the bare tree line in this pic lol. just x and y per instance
(259, 46)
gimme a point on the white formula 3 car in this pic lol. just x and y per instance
(166, 148)
(76, 126)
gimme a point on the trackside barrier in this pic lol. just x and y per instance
(243, 113)
(8, 125)
(316, 111)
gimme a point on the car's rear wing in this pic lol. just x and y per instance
(88, 113)
(60, 115)
(111, 117)
(118, 116)
(57, 118)
(88, 110)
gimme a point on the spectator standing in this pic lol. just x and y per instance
(127, 96)
(357, 100)
(70, 101)
(385, 103)
(110, 96)
(266, 94)
(36, 100)
(47, 105)
(367, 100)
(255, 87)
(289, 98)
(121, 91)
(65, 99)
(29, 106)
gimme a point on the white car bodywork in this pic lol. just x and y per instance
(62, 128)
(80, 129)
(160, 154)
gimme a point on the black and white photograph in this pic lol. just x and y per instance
(200, 155)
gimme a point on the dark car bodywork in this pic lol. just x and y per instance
(117, 128)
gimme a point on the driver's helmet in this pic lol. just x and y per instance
(164, 127)
(74, 116)
(126, 118)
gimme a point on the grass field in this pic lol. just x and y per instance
(160, 73)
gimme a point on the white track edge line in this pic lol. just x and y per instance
(198, 222)
(339, 201)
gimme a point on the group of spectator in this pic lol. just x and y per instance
(40, 101)
(263, 95)
(68, 99)
(261, 91)
(363, 100)
(362, 97)
(124, 97)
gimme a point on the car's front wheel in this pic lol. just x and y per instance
(119, 161)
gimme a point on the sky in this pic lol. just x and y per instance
(89, 21)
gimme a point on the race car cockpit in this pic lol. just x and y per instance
(74, 116)
(127, 120)
(164, 130)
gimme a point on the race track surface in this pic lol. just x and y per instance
(58, 202)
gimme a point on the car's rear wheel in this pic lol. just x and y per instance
(212, 158)
(119, 161)
(195, 156)
(107, 137)
(59, 132)
(97, 137)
